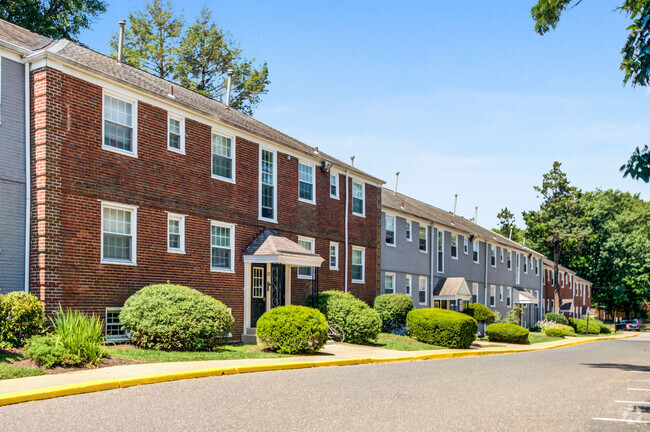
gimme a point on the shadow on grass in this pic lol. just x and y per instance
(621, 366)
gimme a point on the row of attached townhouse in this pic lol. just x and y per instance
(574, 295)
(119, 179)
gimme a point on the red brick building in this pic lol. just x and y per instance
(135, 180)
(575, 292)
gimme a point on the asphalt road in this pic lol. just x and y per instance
(563, 389)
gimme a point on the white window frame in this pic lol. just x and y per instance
(509, 298)
(409, 285)
(336, 255)
(426, 289)
(313, 182)
(465, 245)
(426, 239)
(134, 125)
(363, 198)
(338, 188)
(509, 261)
(394, 219)
(474, 292)
(493, 249)
(233, 148)
(232, 246)
(113, 339)
(363, 264)
(526, 264)
(440, 251)
(181, 120)
(517, 268)
(181, 226)
(493, 296)
(478, 251)
(312, 250)
(275, 185)
(409, 230)
(501, 293)
(392, 276)
(454, 237)
(501, 255)
(134, 233)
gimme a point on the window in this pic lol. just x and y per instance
(334, 256)
(475, 251)
(306, 183)
(492, 289)
(474, 292)
(441, 254)
(358, 264)
(501, 255)
(389, 283)
(509, 263)
(465, 245)
(307, 243)
(114, 330)
(408, 231)
(358, 198)
(267, 185)
(422, 290)
(334, 186)
(175, 233)
(118, 233)
(509, 298)
(517, 266)
(454, 246)
(119, 130)
(390, 230)
(536, 266)
(408, 285)
(493, 256)
(501, 293)
(222, 157)
(223, 247)
(176, 134)
(423, 239)
(525, 264)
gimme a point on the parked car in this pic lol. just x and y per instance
(633, 324)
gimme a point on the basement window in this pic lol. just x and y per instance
(114, 330)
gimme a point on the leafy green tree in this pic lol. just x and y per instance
(56, 19)
(635, 63)
(151, 39)
(507, 226)
(559, 226)
(206, 54)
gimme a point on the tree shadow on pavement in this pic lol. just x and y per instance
(621, 366)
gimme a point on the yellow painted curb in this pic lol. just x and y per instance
(112, 384)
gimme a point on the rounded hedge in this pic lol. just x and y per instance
(558, 318)
(441, 327)
(479, 312)
(555, 332)
(580, 326)
(325, 297)
(509, 333)
(292, 329)
(21, 316)
(604, 329)
(175, 318)
(392, 309)
(359, 322)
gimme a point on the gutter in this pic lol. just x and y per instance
(347, 204)
(430, 297)
(28, 183)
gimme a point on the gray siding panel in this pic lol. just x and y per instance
(12, 176)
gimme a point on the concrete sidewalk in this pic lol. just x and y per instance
(339, 354)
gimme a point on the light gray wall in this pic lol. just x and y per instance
(12, 176)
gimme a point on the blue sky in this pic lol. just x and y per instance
(460, 97)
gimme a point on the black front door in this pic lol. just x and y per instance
(258, 292)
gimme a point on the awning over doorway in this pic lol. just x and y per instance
(452, 288)
(524, 297)
(271, 247)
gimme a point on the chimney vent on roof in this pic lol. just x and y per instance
(316, 150)
(455, 202)
(403, 204)
(352, 160)
(230, 72)
(120, 44)
(476, 215)
(170, 92)
(396, 180)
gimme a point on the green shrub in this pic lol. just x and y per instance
(479, 312)
(555, 332)
(292, 329)
(21, 316)
(175, 318)
(324, 299)
(580, 326)
(359, 322)
(441, 327)
(558, 318)
(47, 351)
(392, 309)
(510, 333)
(604, 329)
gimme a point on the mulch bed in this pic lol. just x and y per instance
(105, 362)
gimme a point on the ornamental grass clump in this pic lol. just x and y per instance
(292, 329)
(441, 327)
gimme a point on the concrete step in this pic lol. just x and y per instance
(249, 337)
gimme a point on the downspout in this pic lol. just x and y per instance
(28, 185)
(430, 297)
(486, 288)
(541, 290)
(347, 198)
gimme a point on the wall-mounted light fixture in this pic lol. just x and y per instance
(325, 166)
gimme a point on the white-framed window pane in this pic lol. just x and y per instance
(422, 290)
(358, 198)
(309, 245)
(357, 265)
(408, 230)
(475, 256)
(117, 234)
(258, 282)
(221, 247)
(454, 246)
(268, 185)
(306, 182)
(334, 256)
(334, 185)
(118, 123)
(390, 230)
(465, 245)
(221, 156)
(174, 234)
(389, 283)
(441, 255)
(408, 284)
(174, 133)
(423, 239)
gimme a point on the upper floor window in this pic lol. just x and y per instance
(465, 245)
(517, 266)
(267, 184)
(307, 243)
(390, 230)
(509, 263)
(334, 186)
(389, 283)
(119, 125)
(358, 198)
(454, 246)
(423, 239)
(306, 183)
(176, 134)
(118, 241)
(501, 255)
(175, 233)
(358, 264)
(536, 266)
(408, 231)
(222, 251)
(493, 255)
(334, 256)
(222, 157)
(475, 256)
(440, 249)
(525, 264)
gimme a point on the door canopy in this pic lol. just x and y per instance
(524, 297)
(271, 247)
(452, 288)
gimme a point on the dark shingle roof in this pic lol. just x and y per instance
(21, 37)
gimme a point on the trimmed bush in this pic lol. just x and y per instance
(604, 329)
(555, 332)
(441, 327)
(175, 318)
(479, 312)
(47, 352)
(359, 322)
(392, 309)
(510, 333)
(21, 317)
(292, 329)
(558, 318)
(580, 326)
(325, 297)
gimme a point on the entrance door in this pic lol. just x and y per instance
(258, 295)
(277, 285)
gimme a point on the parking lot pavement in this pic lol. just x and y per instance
(631, 404)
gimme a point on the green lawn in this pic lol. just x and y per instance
(402, 343)
(8, 371)
(226, 352)
(540, 339)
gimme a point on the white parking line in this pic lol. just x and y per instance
(640, 380)
(648, 390)
(640, 371)
(622, 420)
(633, 402)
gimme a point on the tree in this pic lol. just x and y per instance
(635, 63)
(56, 19)
(151, 39)
(507, 226)
(558, 226)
